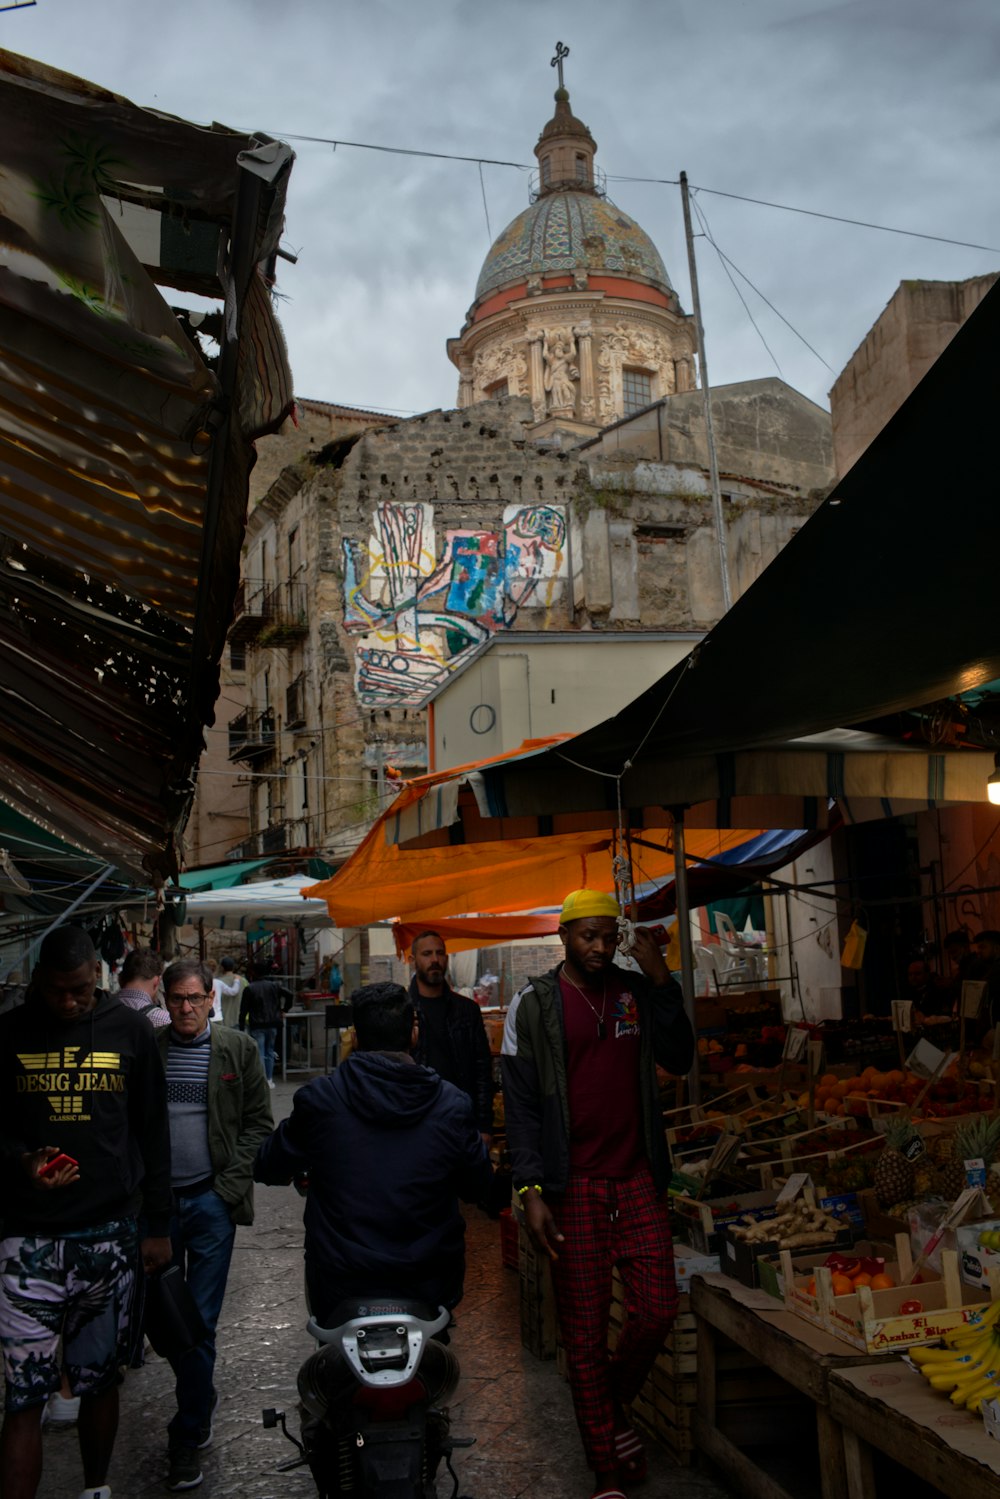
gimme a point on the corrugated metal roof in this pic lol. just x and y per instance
(125, 447)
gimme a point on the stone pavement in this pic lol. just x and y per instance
(518, 1408)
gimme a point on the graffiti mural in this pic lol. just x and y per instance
(418, 611)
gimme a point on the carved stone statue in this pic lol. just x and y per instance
(560, 372)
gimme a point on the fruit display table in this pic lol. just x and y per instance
(799, 1360)
(893, 1410)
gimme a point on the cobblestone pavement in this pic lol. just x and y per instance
(517, 1407)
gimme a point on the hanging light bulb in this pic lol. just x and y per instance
(993, 782)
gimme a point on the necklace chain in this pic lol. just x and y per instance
(593, 1008)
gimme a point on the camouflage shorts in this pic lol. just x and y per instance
(65, 1305)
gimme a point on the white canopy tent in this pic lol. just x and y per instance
(267, 903)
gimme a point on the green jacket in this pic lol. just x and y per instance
(535, 1091)
(239, 1114)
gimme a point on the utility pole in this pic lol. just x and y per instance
(713, 464)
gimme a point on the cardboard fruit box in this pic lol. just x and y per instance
(804, 1264)
(742, 1260)
(688, 1262)
(873, 1321)
(702, 1222)
(975, 1259)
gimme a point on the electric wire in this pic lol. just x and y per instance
(482, 185)
(730, 264)
(791, 326)
(725, 266)
(521, 166)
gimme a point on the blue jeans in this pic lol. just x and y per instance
(202, 1233)
(265, 1036)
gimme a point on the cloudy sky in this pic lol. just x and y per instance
(878, 110)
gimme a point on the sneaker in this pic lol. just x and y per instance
(185, 1468)
(205, 1432)
(59, 1413)
(101, 1493)
(271, 1083)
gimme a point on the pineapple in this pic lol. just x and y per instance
(893, 1174)
(978, 1137)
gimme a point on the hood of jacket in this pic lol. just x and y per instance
(387, 1089)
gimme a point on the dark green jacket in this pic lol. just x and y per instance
(535, 1092)
(239, 1114)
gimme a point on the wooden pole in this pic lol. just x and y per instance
(684, 935)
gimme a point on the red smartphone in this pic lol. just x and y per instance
(56, 1164)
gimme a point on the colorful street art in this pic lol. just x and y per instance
(419, 613)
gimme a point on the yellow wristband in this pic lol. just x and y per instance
(533, 1187)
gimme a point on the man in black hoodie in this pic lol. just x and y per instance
(389, 1148)
(80, 1079)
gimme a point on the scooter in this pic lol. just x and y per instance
(374, 1422)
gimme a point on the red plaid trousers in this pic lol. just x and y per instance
(609, 1223)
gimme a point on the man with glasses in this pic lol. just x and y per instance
(220, 1112)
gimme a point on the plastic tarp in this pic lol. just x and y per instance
(219, 876)
(269, 903)
(433, 854)
(734, 869)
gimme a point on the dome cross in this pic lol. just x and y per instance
(557, 61)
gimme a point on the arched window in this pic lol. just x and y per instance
(581, 168)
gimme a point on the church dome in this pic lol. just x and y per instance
(571, 232)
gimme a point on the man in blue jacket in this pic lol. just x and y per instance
(389, 1147)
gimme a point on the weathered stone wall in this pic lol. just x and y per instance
(917, 325)
(763, 429)
(315, 425)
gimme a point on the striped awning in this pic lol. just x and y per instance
(125, 446)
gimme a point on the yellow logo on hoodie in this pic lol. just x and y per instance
(65, 1078)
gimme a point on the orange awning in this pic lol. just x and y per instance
(463, 933)
(433, 854)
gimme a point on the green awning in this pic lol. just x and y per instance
(220, 876)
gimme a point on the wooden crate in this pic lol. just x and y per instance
(663, 1407)
(537, 1301)
(871, 1321)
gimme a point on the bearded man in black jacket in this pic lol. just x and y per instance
(83, 1120)
(451, 1036)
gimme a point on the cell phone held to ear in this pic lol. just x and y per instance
(56, 1164)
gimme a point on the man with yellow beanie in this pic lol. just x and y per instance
(590, 1162)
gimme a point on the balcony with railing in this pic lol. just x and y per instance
(248, 614)
(285, 613)
(252, 735)
(274, 839)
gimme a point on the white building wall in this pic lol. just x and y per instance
(522, 688)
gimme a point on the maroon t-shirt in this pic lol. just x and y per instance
(603, 1076)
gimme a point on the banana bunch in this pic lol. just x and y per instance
(967, 1369)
